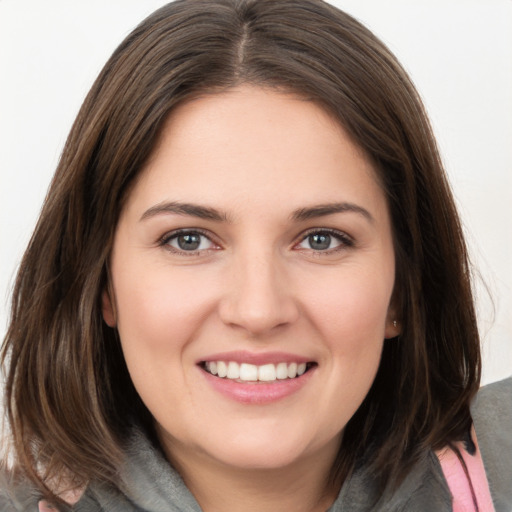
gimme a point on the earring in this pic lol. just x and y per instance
(394, 323)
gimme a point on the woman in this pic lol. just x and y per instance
(248, 287)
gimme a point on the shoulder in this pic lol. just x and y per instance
(424, 489)
(492, 418)
(493, 403)
(15, 495)
(18, 494)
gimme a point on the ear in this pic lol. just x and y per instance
(393, 321)
(393, 328)
(108, 308)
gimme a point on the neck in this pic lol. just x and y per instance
(301, 486)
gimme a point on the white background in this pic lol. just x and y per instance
(458, 52)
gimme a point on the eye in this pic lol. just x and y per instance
(325, 240)
(188, 241)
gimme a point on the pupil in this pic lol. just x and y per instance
(189, 242)
(319, 241)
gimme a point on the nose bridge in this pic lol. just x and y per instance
(259, 298)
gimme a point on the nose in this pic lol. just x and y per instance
(259, 297)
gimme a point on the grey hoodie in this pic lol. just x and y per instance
(155, 487)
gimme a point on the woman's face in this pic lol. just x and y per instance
(256, 242)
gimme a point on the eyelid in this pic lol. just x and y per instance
(346, 241)
(164, 240)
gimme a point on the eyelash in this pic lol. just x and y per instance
(345, 240)
(168, 237)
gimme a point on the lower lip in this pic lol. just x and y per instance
(257, 392)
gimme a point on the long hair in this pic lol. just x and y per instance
(69, 398)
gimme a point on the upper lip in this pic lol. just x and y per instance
(256, 358)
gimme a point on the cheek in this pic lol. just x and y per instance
(351, 308)
(350, 314)
(159, 312)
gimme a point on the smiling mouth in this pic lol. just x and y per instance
(246, 372)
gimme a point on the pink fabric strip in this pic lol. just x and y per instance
(458, 482)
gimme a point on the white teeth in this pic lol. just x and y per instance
(250, 372)
(222, 369)
(233, 370)
(267, 372)
(282, 371)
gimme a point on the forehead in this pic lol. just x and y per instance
(255, 145)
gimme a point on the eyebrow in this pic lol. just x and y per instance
(323, 210)
(190, 209)
(209, 213)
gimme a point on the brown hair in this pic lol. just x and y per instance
(69, 397)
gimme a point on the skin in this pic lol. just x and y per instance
(255, 284)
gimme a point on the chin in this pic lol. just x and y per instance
(259, 458)
(256, 451)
